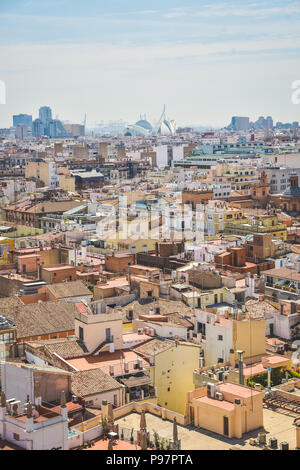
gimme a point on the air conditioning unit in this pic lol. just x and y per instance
(140, 331)
(8, 402)
(220, 375)
(211, 390)
(16, 408)
(219, 396)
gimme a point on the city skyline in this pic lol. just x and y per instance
(207, 62)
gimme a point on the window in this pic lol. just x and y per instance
(220, 338)
(169, 389)
(115, 400)
(16, 437)
(81, 333)
(4, 355)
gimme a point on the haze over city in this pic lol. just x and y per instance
(206, 60)
(149, 228)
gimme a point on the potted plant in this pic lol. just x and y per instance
(104, 426)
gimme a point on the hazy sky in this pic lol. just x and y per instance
(118, 59)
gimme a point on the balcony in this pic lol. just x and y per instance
(283, 288)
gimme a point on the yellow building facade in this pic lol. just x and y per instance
(7, 245)
(249, 336)
(172, 375)
(67, 182)
(259, 224)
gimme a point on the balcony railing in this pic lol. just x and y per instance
(291, 290)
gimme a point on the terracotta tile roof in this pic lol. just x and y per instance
(258, 308)
(284, 273)
(166, 307)
(9, 303)
(81, 307)
(42, 318)
(92, 381)
(49, 207)
(66, 348)
(154, 346)
(69, 289)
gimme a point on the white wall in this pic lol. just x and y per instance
(168, 331)
(162, 155)
(282, 324)
(17, 382)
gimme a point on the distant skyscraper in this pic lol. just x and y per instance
(55, 129)
(45, 114)
(25, 119)
(38, 128)
(239, 123)
(21, 131)
(269, 122)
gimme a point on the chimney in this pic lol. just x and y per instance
(232, 358)
(218, 317)
(156, 249)
(241, 367)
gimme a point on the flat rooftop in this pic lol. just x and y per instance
(105, 359)
(278, 424)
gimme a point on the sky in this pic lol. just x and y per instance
(205, 60)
